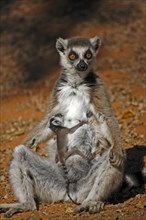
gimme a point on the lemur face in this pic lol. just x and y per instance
(56, 122)
(77, 54)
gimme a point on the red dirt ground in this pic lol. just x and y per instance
(28, 72)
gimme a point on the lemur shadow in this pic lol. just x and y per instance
(133, 168)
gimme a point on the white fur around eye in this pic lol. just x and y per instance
(80, 51)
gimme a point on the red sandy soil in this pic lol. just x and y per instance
(120, 63)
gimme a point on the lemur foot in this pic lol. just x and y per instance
(91, 206)
(12, 208)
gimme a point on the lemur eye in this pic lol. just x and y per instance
(88, 55)
(72, 56)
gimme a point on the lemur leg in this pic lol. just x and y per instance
(22, 185)
(33, 176)
(105, 178)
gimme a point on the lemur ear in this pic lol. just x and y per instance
(61, 45)
(96, 42)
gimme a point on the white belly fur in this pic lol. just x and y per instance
(74, 102)
(75, 107)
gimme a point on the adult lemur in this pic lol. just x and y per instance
(77, 91)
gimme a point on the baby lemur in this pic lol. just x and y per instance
(77, 91)
(56, 125)
(104, 141)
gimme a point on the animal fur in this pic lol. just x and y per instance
(77, 91)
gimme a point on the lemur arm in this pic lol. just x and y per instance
(116, 159)
(100, 102)
(41, 132)
(104, 128)
(76, 151)
(74, 128)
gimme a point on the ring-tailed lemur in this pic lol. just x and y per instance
(77, 91)
(56, 125)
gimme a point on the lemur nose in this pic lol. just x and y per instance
(82, 66)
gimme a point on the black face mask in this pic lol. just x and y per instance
(82, 66)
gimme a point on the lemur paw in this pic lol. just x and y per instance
(82, 122)
(89, 114)
(100, 117)
(116, 159)
(91, 206)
